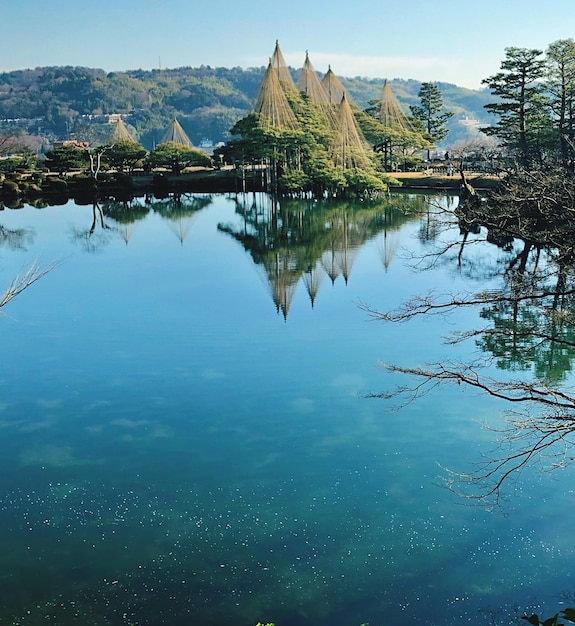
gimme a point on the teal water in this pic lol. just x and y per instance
(185, 439)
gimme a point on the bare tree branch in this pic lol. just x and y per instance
(24, 279)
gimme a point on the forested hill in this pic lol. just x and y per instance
(58, 102)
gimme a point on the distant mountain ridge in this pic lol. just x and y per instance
(56, 103)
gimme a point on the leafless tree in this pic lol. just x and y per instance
(531, 325)
(9, 143)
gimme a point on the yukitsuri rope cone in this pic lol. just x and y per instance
(333, 87)
(282, 70)
(272, 105)
(349, 147)
(390, 113)
(121, 132)
(310, 84)
(177, 134)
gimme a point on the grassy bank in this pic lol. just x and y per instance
(420, 180)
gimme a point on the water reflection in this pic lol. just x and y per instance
(170, 454)
(530, 332)
(179, 211)
(523, 335)
(124, 216)
(305, 241)
(14, 239)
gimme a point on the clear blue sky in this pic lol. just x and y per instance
(430, 40)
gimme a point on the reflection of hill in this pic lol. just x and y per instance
(179, 211)
(302, 240)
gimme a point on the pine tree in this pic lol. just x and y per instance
(431, 112)
(521, 106)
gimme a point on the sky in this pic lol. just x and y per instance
(453, 41)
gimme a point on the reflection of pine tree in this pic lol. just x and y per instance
(123, 216)
(525, 335)
(180, 211)
(299, 240)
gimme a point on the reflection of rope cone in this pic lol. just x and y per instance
(330, 264)
(387, 245)
(126, 230)
(312, 280)
(347, 257)
(180, 225)
(291, 241)
(282, 279)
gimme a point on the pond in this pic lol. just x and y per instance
(188, 437)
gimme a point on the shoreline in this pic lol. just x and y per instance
(199, 180)
(423, 181)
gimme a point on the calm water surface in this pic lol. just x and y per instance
(186, 438)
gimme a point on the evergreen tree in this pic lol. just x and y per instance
(521, 105)
(125, 155)
(560, 86)
(176, 157)
(431, 112)
(62, 159)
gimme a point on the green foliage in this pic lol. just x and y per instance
(431, 112)
(125, 155)
(301, 161)
(176, 157)
(521, 107)
(362, 182)
(25, 161)
(560, 90)
(10, 187)
(396, 145)
(63, 159)
(66, 101)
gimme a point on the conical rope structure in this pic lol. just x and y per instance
(280, 66)
(310, 84)
(272, 105)
(390, 114)
(333, 87)
(176, 134)
(121, 132)
(349, 147)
